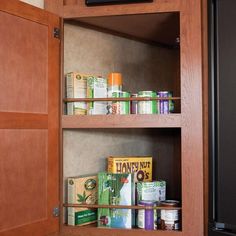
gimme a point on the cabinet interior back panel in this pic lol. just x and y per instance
(23, 172)
(24, 47)
(86, 151)
(143, 66)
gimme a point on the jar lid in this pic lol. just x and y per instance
(115, 79)
(147, 202)
(170, 203)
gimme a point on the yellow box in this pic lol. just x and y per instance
(141, 166)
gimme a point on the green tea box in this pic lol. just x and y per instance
(115, 189)
(97, 88)
(153, 191)
(76, 87)
(82, 190)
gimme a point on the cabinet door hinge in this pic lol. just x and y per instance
(56, 212)
(57, 33)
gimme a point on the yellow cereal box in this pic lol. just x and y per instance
(141, 166)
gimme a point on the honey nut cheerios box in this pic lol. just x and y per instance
(141, 166)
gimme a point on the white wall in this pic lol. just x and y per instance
(37, 3)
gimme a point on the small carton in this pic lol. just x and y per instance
(153, 191)
(82, 190)
(96, 88)
(115, 189)
(141, 166)
(76, 87)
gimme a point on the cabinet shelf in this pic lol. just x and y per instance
(122, 121)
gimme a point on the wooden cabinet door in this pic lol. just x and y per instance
(29, 120)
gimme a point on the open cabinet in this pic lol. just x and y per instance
(156, 46)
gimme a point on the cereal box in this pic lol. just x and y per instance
(96, 88)
(151, 191)
(82, 190)
(76, 87)
(115, 189)
(141, 166)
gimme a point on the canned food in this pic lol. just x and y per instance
(121, 107)
(147, 218)
(165, 106)
(147, 107)
(134, 104)
(171, 103)
(170, 219)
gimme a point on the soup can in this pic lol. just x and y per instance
(171, 103)
(147, 107)
(134, 104)
(163, 105)
(121, 107)
(147, 218)
(170, 219)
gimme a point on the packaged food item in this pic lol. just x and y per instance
(121, 107)
(170, 219)
(141, 166)
(152, 191)
(165, 106)
(96, 88)
(147, 107)
(115, 189)
(147, 218)
(114, 85)
(134, 104)
(76, 84)
(82, 190)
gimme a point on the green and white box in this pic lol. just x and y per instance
(76, 87)
(82, 190)
(97, 88)
(153, 191)
(115, 189)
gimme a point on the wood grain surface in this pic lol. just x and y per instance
(191, 84)
(29, 120)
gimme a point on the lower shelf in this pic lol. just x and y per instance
(92, 230)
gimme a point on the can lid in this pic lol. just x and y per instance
(115, 79)
(170, 203)
(147, 202)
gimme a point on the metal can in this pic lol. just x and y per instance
(170, 219)
(121, 107)
(134, 104)
(171, 103)
(147, 107)
(163, 105)
(147, 218)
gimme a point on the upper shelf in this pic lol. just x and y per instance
(161, 29)
(122, 121)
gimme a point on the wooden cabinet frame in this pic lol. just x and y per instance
(191, 120)
(191, 89)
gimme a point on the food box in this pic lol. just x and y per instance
(153, 191)
(96, 88)
(76, 87)
(141, 166)
(82, 190)
(115, 189)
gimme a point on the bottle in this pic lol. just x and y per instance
(114, 85)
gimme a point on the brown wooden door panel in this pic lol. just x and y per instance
(29, 120)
